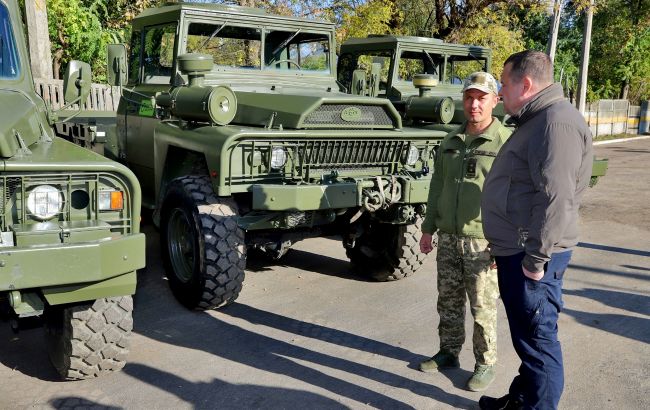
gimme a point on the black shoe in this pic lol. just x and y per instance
(502, 403)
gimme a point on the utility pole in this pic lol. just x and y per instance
(554, 19)
(584, 66)
(40, 51)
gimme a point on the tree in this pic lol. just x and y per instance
(373, 17)
(75, 31)
(620, 64)
(503, 40)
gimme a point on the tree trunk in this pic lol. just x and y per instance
(551, 46)
(584, 67)
(40, 51)
(625, 90)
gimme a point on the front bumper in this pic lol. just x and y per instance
(337, 195)
(70, 264)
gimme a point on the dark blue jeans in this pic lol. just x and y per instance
(533, 308)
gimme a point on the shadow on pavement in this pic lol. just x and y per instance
(221, 394)
(631, 327)
(341, 338)
(306, 261)
(318, 332)
(26, 352)
(613, 249)
(74, 403)
(233, 343)
(621, 300)
(631, 275)
(635, 267)
(635, 328)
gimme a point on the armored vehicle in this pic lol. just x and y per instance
(423, 77)
(69, 223)
(233, 122)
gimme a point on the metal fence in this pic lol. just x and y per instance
(610, 117)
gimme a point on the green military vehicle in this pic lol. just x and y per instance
(233, 121)
(69, 223)
(423, 77)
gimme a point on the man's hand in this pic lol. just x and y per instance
(426, 243)
(530, 275)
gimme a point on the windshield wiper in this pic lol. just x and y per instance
(285, 42)
(433, 64)
(214, 33)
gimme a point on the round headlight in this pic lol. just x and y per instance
(412, 156)
(278, 157)
(44, 202)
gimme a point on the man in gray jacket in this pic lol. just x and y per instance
(530, 218)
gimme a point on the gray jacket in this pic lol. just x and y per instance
(531, 195)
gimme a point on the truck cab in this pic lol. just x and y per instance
(69, 223)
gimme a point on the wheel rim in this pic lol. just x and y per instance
(181, 244)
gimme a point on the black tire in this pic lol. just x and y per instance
(203, 247)
(89, 340)
(386, 252)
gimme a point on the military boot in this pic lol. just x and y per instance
(506, 402)
(482, 377)
(441, 360)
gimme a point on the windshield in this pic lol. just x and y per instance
(9, 64)
(240, 47)
(297, 50)
(456, 68)
(230, 46)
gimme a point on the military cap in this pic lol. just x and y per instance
(481, 81)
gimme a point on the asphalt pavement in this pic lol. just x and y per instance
(305, 333)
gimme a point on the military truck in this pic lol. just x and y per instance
(69, 223)
(234, 124)
(422, 77)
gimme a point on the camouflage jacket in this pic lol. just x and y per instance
(454, 204)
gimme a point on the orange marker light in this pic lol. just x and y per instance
(111, 200)
(117, 200)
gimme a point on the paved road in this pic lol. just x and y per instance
(305, 334)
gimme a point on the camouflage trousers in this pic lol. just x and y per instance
(465, 267)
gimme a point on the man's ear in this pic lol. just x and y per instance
(528, 85)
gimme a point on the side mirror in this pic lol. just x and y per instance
(375, 72)
(76, 83)
(359, 86)
(116, 65)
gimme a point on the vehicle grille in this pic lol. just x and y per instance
(309, 158)
(360, 153)
(15, 190)
(329, 115)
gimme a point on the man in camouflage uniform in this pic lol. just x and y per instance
(465, 266)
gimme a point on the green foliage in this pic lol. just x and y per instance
(491, 28)
(619, 54)
(373, 17)
(75, 30)
(619, 64)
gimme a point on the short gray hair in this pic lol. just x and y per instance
(535, 64)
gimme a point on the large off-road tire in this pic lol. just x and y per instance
(89, 340)
(387, 252)
(203, 247)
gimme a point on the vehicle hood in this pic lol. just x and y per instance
(301, 109)
(20, 123)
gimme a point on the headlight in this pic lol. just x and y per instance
(44, 202)
(111, 200)
(412, 156)
(278, 157)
